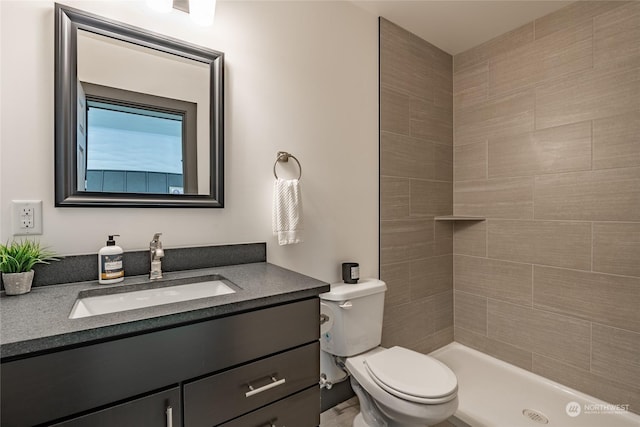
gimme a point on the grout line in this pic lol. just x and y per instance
(486, 239)
(548, 266)
(533, 283)
(590, 345)
(592, 243)
(486, 154)
(592, 145)
(486, 326)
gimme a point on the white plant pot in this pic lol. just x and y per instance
(17, 283)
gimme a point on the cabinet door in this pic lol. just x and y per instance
(158, 410)
(300, 410)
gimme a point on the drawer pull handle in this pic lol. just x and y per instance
(169, 416)
(274, 383)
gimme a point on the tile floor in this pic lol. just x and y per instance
(342, 415)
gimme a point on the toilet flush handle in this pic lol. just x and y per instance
(346, 305)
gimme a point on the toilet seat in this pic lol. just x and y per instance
(412, 376)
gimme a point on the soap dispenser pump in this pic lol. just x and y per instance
(110, 266)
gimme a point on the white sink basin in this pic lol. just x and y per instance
(113, 303)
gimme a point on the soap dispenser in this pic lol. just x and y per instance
(110, 266)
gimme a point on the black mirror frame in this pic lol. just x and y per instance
(67, 23)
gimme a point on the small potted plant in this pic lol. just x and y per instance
(16, 264)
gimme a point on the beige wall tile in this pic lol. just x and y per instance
(616, 354)
(616, 141)
(617, 37)
(431, 122)
(470, 161)
(404, 156)
(443, 170)
(503, 43)
(565, 51)
(394, 198)
(442, 310)
(616, 248)
(556, 243)
(395, 111)
(443, 231)
(502, 351)
(503, 280)
(470, 238)
(435, 341)
(598, 386)
(401, 65)
(398, 280)
(550, 334)
(508, 115)
(405, 240)
(431, 198)
(576, 13)
(588, 95)
(560, 149)
(495, 198)
(602, 298)
(431, 276)
(441, 65)
(407, 324)
(470, 87)
(443, 98)
(470, 312)
(601, 195)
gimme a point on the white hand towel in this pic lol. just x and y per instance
(287, 211)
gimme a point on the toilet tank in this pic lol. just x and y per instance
(354, 311)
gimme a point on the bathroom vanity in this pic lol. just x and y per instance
(250, 358)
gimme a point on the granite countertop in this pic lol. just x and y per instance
(39, 321)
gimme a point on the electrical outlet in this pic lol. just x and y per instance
(27, 217)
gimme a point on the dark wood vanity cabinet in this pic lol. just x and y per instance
(251, 369)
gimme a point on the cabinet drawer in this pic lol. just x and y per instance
(299, 410)
(218, 398)
(157, 410)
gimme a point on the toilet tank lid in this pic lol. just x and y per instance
(344, 291)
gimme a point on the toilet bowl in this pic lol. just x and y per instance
(396, 387)
(402, 388)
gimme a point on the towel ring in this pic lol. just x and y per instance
(283, 156)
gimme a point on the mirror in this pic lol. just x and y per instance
(139, 117)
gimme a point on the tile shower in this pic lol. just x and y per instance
(538, 130)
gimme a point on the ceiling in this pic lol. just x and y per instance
(455, 26)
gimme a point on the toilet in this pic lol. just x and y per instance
(396, 387)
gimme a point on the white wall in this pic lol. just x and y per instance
(300, 77)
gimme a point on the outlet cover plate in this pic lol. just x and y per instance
(26, 217)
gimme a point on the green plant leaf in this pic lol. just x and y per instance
(18, 257)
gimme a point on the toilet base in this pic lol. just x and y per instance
(359, 421)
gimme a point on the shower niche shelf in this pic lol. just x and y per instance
(459, 218)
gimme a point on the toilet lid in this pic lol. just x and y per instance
(412, 376)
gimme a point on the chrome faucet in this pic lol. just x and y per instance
(156, 253)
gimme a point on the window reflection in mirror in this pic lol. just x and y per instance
(133, 149)
(139, 103)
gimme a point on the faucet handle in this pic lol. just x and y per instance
(156, 237)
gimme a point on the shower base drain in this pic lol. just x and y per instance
(535, 416)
